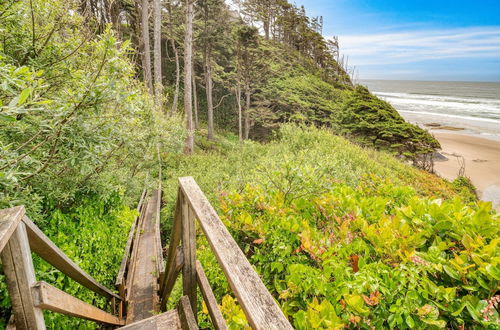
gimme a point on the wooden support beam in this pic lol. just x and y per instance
(20, 276)
(189, 249)
(168, 279)
(158, 252)
(45, 248)
(9, 219)
(47, 297)
(186, 316)
(209, 297)
(260, 308)
(171, 276)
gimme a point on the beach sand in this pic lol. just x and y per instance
(482, 162)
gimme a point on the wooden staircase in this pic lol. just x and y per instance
(145, 280)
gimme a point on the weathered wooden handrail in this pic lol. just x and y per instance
(19, 236)
(120, 279)
(259, 306)
(48, 251)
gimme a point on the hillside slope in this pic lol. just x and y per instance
(347, 236)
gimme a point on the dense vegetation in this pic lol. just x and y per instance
(349, 237)
(342, 235)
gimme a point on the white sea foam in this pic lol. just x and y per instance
(440, 104)
(474, 106)
(440, 98)
(496, 121)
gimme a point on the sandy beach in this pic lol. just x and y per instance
(482, 162)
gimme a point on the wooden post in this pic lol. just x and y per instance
(189, 251)
(20, 276)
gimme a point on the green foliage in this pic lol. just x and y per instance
(374, 255)
(376, 123)
(73, 117)
(78, 133)
(464, 186)
(303, 205)
(93, 235)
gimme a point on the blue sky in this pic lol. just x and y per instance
(412, 39)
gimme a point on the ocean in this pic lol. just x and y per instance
(471, 106)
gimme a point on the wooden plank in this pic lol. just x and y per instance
(259, 306)
(143, 301)
(120, 279)
(209, 297)
(165, 321)
(47, 297)
(189, 249)
(20, 276)
(175, 238)
(46, 249)
(9, 219)
(186, 316)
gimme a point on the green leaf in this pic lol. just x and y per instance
(24, 96)
(6, 118)
(356, 302)
(409, 321)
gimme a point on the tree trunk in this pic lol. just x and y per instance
(247, 111)
(210, 103)
(188, 77)
(146, 48)
(238, 100)
(195, 100)
(177, 77)
(266, 24)
(157, 55)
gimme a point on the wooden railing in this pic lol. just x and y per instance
(19, 236)
(259, 306)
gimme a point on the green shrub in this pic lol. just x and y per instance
(376, 255)
(92, 234)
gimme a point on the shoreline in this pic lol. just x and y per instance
(480, 157)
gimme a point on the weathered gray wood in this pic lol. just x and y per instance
(9, 219)
(120, 279)
(143, 300)
(189, 249)
(186, 316)
(168, 279)
(209, 297)
(259, 306)
(165, 321)
(20, 276)
(11, 325)
(159, 250)
(133, 255)
(43, 246)
(171, 276)
(47, 297)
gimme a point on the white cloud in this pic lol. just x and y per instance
(421, 45)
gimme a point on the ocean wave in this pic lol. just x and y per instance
(443, 105)
(440, 98)
(490, 120)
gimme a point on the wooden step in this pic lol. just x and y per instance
(143, 300)
(167, 320)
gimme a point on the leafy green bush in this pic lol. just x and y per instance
(376, 255)
(304, 206)
(93, 235)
